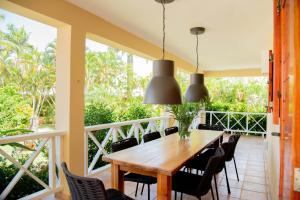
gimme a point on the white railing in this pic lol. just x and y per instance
(49, 140)
(114, 131)
(237, 121)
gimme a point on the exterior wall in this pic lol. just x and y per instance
(273, 158)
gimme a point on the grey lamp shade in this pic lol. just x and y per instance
(163, 88)
(197, 91)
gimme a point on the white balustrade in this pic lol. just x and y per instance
(49, 140)
(113, 131)
(232, 121)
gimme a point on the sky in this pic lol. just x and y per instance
(42, 34)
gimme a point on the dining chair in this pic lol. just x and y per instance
(84, 188)
(133, 177)
(171, 130)
(235, 139)
(203, 127)
(199, 162)
(215, 128)
(198, 185)
(151, 136)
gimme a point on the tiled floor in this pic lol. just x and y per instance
(251, 168)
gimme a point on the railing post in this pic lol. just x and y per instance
(247, 125)
(86, 153)
(52, 163)
(210, 118)
(136, 132)
(115, 134)
(228, 121)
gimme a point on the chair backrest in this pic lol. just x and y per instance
(203, 127)
(123, 144)
(228, 148)
(216, 127)
(151, 136)
(234, 139)
(82, 188)
(210, 170)
(171, 130)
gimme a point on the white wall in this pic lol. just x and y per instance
(273, 158)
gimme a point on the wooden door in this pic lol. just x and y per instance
(289, 108)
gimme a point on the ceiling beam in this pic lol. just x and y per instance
(234, 73)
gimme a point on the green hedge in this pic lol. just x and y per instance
(101, 113)
(26, 184)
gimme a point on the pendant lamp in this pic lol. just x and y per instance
(163, 88)
(197, 92)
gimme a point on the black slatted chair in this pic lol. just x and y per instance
(83, 188)
(133, 177)
(151, 136)
(200, 161)
(198, 185)
(147, 138)
(215, 128)
(171, 130)
(203, 127)
(235, 139)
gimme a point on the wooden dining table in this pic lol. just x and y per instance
(159, 158)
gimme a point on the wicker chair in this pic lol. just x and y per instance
(171, 130)
(151, 136)
(133, 177)
(198, 185)
(83, 188)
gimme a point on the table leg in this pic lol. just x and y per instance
(117, 178)
(164, 187)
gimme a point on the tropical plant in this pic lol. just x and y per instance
(184, 114)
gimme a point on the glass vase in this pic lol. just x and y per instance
(183, 131)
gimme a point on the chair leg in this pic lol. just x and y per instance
(228, 188)
(181, 196)
(237, 175)
(148, 191)
(142, 189)
(175, 195)
(216, 187)
(212, 193)
(136, 189)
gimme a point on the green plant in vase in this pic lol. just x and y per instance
(184, 114)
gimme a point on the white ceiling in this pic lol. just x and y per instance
(236, 30)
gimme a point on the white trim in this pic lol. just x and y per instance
(31, 136)
(114, 130)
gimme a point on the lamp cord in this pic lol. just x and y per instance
(197, 53)
(164, 27)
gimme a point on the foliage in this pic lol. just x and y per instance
(237, 94)
(184, 114)
(26, 68)
(134, 109)
(26, 184)
(97, 113)
(101, 113)
(14, 111)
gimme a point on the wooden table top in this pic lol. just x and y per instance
(165, 155)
